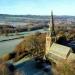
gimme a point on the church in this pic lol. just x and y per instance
(56, 52)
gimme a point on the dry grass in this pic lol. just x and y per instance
(33, 43)
(64, 68)
(26, 44)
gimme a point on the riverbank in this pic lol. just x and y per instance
(19, 35)
(12, 38)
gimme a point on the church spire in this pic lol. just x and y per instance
(50, 37)
(52, 20)
(52, 25)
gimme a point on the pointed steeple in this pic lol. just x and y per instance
(52, 20)
(50, 37)
(52, 25)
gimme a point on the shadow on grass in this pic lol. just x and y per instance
(29, 68)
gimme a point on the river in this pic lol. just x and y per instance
(8, 46)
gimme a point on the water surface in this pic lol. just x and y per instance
(8, 46)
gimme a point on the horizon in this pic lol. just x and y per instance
(34, 15)
(38, 7)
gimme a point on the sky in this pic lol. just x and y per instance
(37, 7)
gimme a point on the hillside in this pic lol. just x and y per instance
(22, 18)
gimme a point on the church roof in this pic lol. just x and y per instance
(60, 50)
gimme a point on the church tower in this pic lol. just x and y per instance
(50, 36)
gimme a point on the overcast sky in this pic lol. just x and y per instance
(37, 7)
